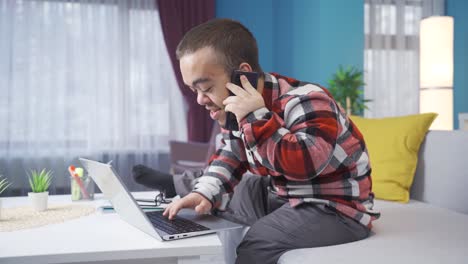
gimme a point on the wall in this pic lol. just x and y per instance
(308, 39)
(257, 16)
(459, 10)
(302, 38)
(321, 35)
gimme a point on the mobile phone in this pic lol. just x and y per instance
(231, 120)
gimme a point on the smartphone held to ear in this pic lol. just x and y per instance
(231, 120)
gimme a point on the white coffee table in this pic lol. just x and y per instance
(97, 238)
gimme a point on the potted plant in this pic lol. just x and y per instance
(3, 186)
(39, 182)
(346, 87)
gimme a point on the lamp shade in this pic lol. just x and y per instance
(436, 70)
(436, 52)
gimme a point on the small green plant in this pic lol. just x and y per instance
(3, 184)
(346, 87)
(40, 180)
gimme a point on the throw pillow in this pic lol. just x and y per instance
(393, 144)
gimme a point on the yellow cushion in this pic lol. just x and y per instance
(393, 144)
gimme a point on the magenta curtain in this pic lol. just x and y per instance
(177, 17)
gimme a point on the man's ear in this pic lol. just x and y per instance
(245, 67)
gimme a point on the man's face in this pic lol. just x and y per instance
(205, 76)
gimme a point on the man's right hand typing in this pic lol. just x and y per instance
(193, 200)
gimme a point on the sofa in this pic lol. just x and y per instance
(431, 228)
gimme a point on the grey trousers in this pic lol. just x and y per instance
(275, 226)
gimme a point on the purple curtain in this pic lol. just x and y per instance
(177, 17)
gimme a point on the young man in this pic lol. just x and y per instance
(315, 184)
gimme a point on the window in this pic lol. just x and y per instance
(391, 56)
(85, 77)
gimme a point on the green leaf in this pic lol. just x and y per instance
(40, 181)
(3, 184)
(347, 83)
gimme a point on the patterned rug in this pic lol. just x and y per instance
(17, 218)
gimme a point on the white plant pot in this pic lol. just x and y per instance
(39, 200)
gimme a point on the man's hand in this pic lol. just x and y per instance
(245, 100)
(193, 200)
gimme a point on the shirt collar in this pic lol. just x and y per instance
(270, 89)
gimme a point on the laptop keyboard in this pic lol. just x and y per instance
(176, 226)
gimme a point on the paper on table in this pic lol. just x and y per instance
(110, 209)
(106, 207)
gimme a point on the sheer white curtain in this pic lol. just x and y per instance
(84, 78)
(391, 55)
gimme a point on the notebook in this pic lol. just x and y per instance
(187, 223)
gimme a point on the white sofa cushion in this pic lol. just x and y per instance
(406, 233)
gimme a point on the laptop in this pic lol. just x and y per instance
(187, 223)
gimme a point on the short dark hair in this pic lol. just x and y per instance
(233, 42)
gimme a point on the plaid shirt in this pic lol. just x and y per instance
(304, 140)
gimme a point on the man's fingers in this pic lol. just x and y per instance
(236, 90)
(227, 108)
(228, 100)
(231, 100)
(196, 201)
(246, 84)
(166, 210)
(230, 108)
(174, 210)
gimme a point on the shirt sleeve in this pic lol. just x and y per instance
(300, 145)
(224, 171)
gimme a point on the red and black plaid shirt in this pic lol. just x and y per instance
(305, 141)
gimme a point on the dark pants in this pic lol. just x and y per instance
(275, 226)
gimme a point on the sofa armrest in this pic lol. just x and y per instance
(442, 173)
(187, 155)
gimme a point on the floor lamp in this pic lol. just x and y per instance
(436, 70)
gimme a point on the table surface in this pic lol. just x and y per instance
(96, 237)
